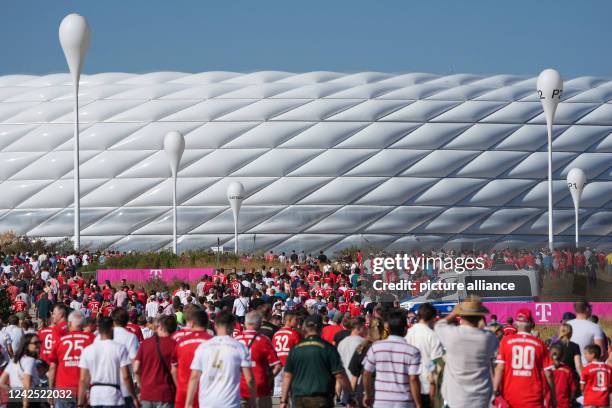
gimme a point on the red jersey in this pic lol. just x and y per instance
(343, 307)
(303, 293)
(348, 294)
(237, 330)
(107, 294)
(94, 306)
(596, 377)
(263, 357)
(525, 358)
(181, 334)
(183, 356)
(66, 353)
(107, 310)
(330, 331)
(220, 278)
(327, 292)
(47, 341)
(565, 386)
(509, 330)
(355, 309)
(19, 305)
(60, 329)
(236, 287)
(283, 340)
(134, 328)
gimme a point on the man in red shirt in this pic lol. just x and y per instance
(58, 319)
(342, 305)
(286, 337)
(283, 341)
(509, 329)
(64, 358)
(183, 355)
(47, 341)
(522, 364)
(188, 311)
(19, 306)
(264, 360)
(94, 306)
(107, 308)
(152, 365)
(219, 278)
(133, 327)
(595, 379)
(355, 307)
(330, 330)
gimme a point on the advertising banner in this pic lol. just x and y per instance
(545, 312)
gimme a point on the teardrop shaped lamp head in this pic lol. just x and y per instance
(550, 88)
(235, 196)
(576, 179)
(74, 36)
(174, 145)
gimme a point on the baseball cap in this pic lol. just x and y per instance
(523, 315)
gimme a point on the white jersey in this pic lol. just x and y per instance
(220, 360)
(104, 359)
(130, 342)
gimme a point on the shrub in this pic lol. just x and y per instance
(10, 243)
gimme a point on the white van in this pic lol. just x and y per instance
(526, 288)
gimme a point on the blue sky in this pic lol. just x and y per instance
(473, 36)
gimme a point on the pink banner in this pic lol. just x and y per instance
(143, 275)
(543, 312)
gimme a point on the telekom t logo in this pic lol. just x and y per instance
(155, 273)
(543, 311)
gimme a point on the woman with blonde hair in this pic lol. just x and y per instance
(571, 350)
(376, 331)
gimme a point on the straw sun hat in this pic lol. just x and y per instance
(472, 306)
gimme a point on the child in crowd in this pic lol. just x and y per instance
(565, 386)
(596, 379)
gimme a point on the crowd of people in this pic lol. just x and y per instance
(311, 333)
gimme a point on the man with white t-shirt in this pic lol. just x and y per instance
(104, 366)
(585, 332)
(129, 340)
(217, 366)
(152, 307)
(241, 307)
(422, 336)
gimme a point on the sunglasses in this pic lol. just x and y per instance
(36, 343)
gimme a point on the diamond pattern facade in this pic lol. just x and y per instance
(328, 160)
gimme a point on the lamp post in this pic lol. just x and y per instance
(550, 87)
(74, 36)
(576, 179)
(235, 195)
(174, 145)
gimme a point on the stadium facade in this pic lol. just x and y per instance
(329, 160)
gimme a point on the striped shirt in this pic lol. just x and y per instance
(393, 360)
